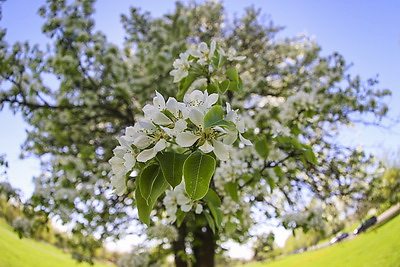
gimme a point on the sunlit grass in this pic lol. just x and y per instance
(15, 252)
(377, 247)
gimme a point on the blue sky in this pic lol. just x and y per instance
(366, 32)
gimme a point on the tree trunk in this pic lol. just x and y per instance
(179, 247)
(204, 247)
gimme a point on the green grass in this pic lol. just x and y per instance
(378, 247)
(15, 252)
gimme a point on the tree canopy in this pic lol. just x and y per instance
(283, 96)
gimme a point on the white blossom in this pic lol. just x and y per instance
(231, 54)
(173, 199)
(150, 153)
(161, 231)
(204, 53)
(181, 67)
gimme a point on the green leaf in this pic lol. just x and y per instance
(271, 183)
(214, 202)
(232, 74)
(236, 83)
(210, 221)
(211, 196)
(217, 214)
(239, 215)
(197, 171)
(180, 216)
(144, 209)
(218, 61)
(215, 117)
(185, 84)
(232, 189)
(146, 180)
(246, 177)
(261, 146)
(236, 86)
(230, 227)
(223, 86)
(172, 166)
(310, 156)
(213, 88)
(240, 85)
(215, 114)
(158, 187)
(278, 171)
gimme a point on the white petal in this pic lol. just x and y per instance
(119, 151)
(148, 110)
(221, 51)
(182, 199)
(239, 58)
(117, 165)
(158, 101)
(119, 184)
(180, 125)
(228, 107)
(185, 56)
(143, 141)
(197, 118)
(196, 53)
(212, 49)
(184, 109)
(168, 131)
(172, 209)
(124, 142)
(203, 47)
(245, 141)
(202, 62)
(206, 147)
(161, 119)
(230, 137)
(128, 141)
(146, 155)
(179, 75)
(221, 150)
(195, 96)
(130, 131)
(147, 125)
(199, 208)
(116, 161)
(129, 161)
(231, 116)
(211, 100)
(186, 207)
(161, 144)
(172, 106)
(240, 125)
(172, 218)
(186, 139)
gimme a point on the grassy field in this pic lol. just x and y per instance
(15, 252)
(378, 247)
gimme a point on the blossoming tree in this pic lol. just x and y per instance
(230, 141)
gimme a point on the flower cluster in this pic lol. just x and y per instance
(176, 197)
(202, 56)
(173, 123)
(161, 231)
(139, 256)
